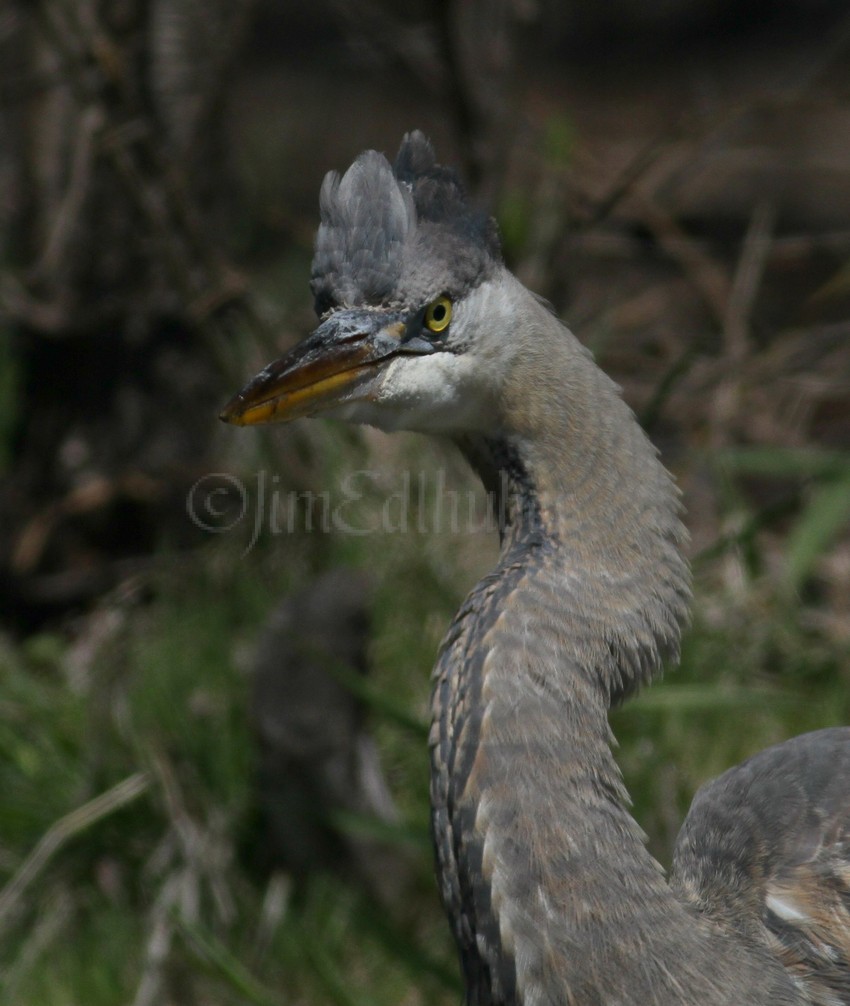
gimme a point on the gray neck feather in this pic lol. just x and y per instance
(553, 895)
(586, 490)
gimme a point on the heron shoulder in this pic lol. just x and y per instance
(765, 853)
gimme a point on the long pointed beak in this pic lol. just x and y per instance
(337, 363)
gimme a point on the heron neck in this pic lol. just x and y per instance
(589, 509)
(537, 851)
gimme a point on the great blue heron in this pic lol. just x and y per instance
(551, 892)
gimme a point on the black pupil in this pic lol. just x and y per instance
(439, 312)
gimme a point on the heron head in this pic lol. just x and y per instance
(408, 284)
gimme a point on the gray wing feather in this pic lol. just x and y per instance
(765, 852)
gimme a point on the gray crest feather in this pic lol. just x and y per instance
(366, 218)
(398, 234)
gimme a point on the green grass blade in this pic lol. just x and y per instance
(701, 698)
(218, 960)
(335, 983)
(419, 964)
(381, 704)
(370, 827)
(820, 523)
(64, 830)
(784, 462)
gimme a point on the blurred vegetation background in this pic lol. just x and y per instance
(190, 816)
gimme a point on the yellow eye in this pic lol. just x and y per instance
(438, 314)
